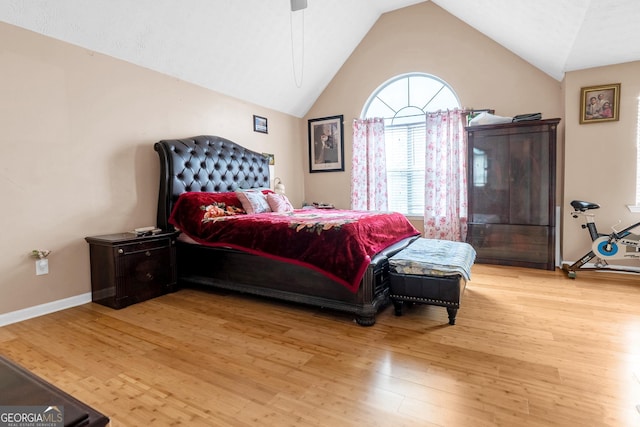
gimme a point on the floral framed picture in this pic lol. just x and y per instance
(326, 144)
(600, 103)
(260, 124)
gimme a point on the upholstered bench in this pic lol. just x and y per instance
(430, 271)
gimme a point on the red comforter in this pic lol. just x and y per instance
(337, 243)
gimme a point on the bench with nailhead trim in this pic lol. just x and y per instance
(433, 272)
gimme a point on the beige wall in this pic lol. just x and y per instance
(601, 158)
(425, 38)
(77, 154)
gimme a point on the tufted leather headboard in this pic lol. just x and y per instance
(205, 163)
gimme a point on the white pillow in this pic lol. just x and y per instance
(253, 201)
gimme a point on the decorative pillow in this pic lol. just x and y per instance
(191, 208)
(279, 202)
(197, 198)
(253, 202)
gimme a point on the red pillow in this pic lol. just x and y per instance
(192, 206)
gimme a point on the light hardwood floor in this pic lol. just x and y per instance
(530, 348)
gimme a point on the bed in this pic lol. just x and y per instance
(208, 166)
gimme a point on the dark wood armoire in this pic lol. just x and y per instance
(512, 193)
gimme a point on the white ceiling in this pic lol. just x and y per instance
(252, 49)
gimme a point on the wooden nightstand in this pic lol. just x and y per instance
(126, 268)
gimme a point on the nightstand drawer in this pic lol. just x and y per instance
(137, 247)
(146, 273)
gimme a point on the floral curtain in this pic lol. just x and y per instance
(445, 214)
(369, 172)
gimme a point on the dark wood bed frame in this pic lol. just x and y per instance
(214, 164)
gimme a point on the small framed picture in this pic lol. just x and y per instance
(260, 124)
(271, 157)
(600, 103)
(326, 144)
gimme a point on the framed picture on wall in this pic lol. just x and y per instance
(600, 103)
(271, 157)
(326, 144)
(260, 124)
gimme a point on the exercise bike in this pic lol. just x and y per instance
(621, 244)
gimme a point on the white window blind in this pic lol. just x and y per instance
(405, 168)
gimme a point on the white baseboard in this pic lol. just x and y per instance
(42, 309)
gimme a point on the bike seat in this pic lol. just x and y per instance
(581, 206)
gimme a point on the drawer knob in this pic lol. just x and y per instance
(147, 253)
(120, 251)
(149, 276)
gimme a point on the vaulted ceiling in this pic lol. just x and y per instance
(262, 52)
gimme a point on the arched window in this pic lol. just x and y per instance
(403, 102)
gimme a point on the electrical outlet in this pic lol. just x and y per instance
(42, 267)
